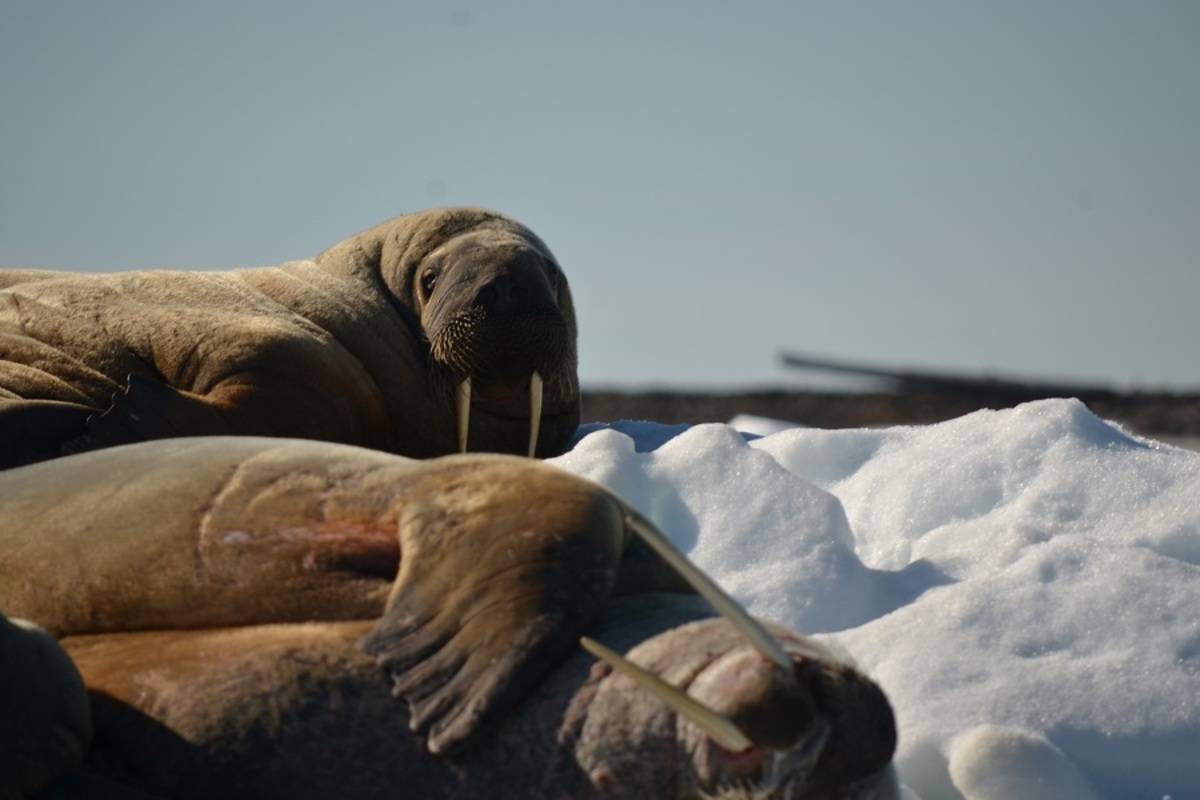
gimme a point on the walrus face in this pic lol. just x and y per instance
(769, 714)
(497, 314)
(823, 731)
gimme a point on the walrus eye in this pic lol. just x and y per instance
(428, 281)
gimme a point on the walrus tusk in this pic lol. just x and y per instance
(719, 727)
(535, 410)
(725, 605)
(464, 413)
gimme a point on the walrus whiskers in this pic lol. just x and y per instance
(464, 413)
(763, 641)
(718, 727)
(535, 410)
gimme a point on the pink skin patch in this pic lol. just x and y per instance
(361, 547)
(364, 546)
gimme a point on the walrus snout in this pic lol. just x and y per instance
(499, 321)
(498, 318)
(786, 716)
(818, 730)
(515, 290)
(774, 710)
(803, 735)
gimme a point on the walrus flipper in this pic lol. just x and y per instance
(147, 409)
(486, 603)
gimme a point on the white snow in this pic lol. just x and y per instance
(1024, 584)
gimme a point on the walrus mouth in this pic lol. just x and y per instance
(760, 772)
(514, 378)
(462, 405)
(463, 409)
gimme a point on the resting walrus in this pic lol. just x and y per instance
(372, 343)
(179, 573)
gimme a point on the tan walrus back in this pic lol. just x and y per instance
(336, 348)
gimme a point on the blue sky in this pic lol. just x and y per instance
(1004, 186)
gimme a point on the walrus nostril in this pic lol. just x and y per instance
(504, 293)
(497, 294)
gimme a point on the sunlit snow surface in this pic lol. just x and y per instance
(1025, 584)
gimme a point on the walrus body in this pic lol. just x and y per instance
(363, 345)
(229, 602)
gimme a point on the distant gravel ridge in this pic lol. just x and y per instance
(1147, 413)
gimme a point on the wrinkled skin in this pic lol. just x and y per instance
(363, 345)
(298, 710)
(177, 574)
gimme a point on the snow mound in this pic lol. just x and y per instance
(1023, 583)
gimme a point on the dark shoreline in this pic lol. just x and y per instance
(1142, 412)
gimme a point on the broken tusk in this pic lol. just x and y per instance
(535, 410)
(719, 727)
(464, 413)
(725, 605)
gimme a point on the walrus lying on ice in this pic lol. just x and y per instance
(229, 602)
(375, 342)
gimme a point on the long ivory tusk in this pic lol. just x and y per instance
(535, 410)
(719, 727)
(725, 605)
(464, 413)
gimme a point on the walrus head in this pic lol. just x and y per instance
(773, 714)
(492, 306)
(496, 312)
(820, 730)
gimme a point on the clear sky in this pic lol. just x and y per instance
(1012, 186)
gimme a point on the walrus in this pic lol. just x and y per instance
(238, 606)
(444, 330)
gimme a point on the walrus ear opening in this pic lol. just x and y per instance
(486, 602)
